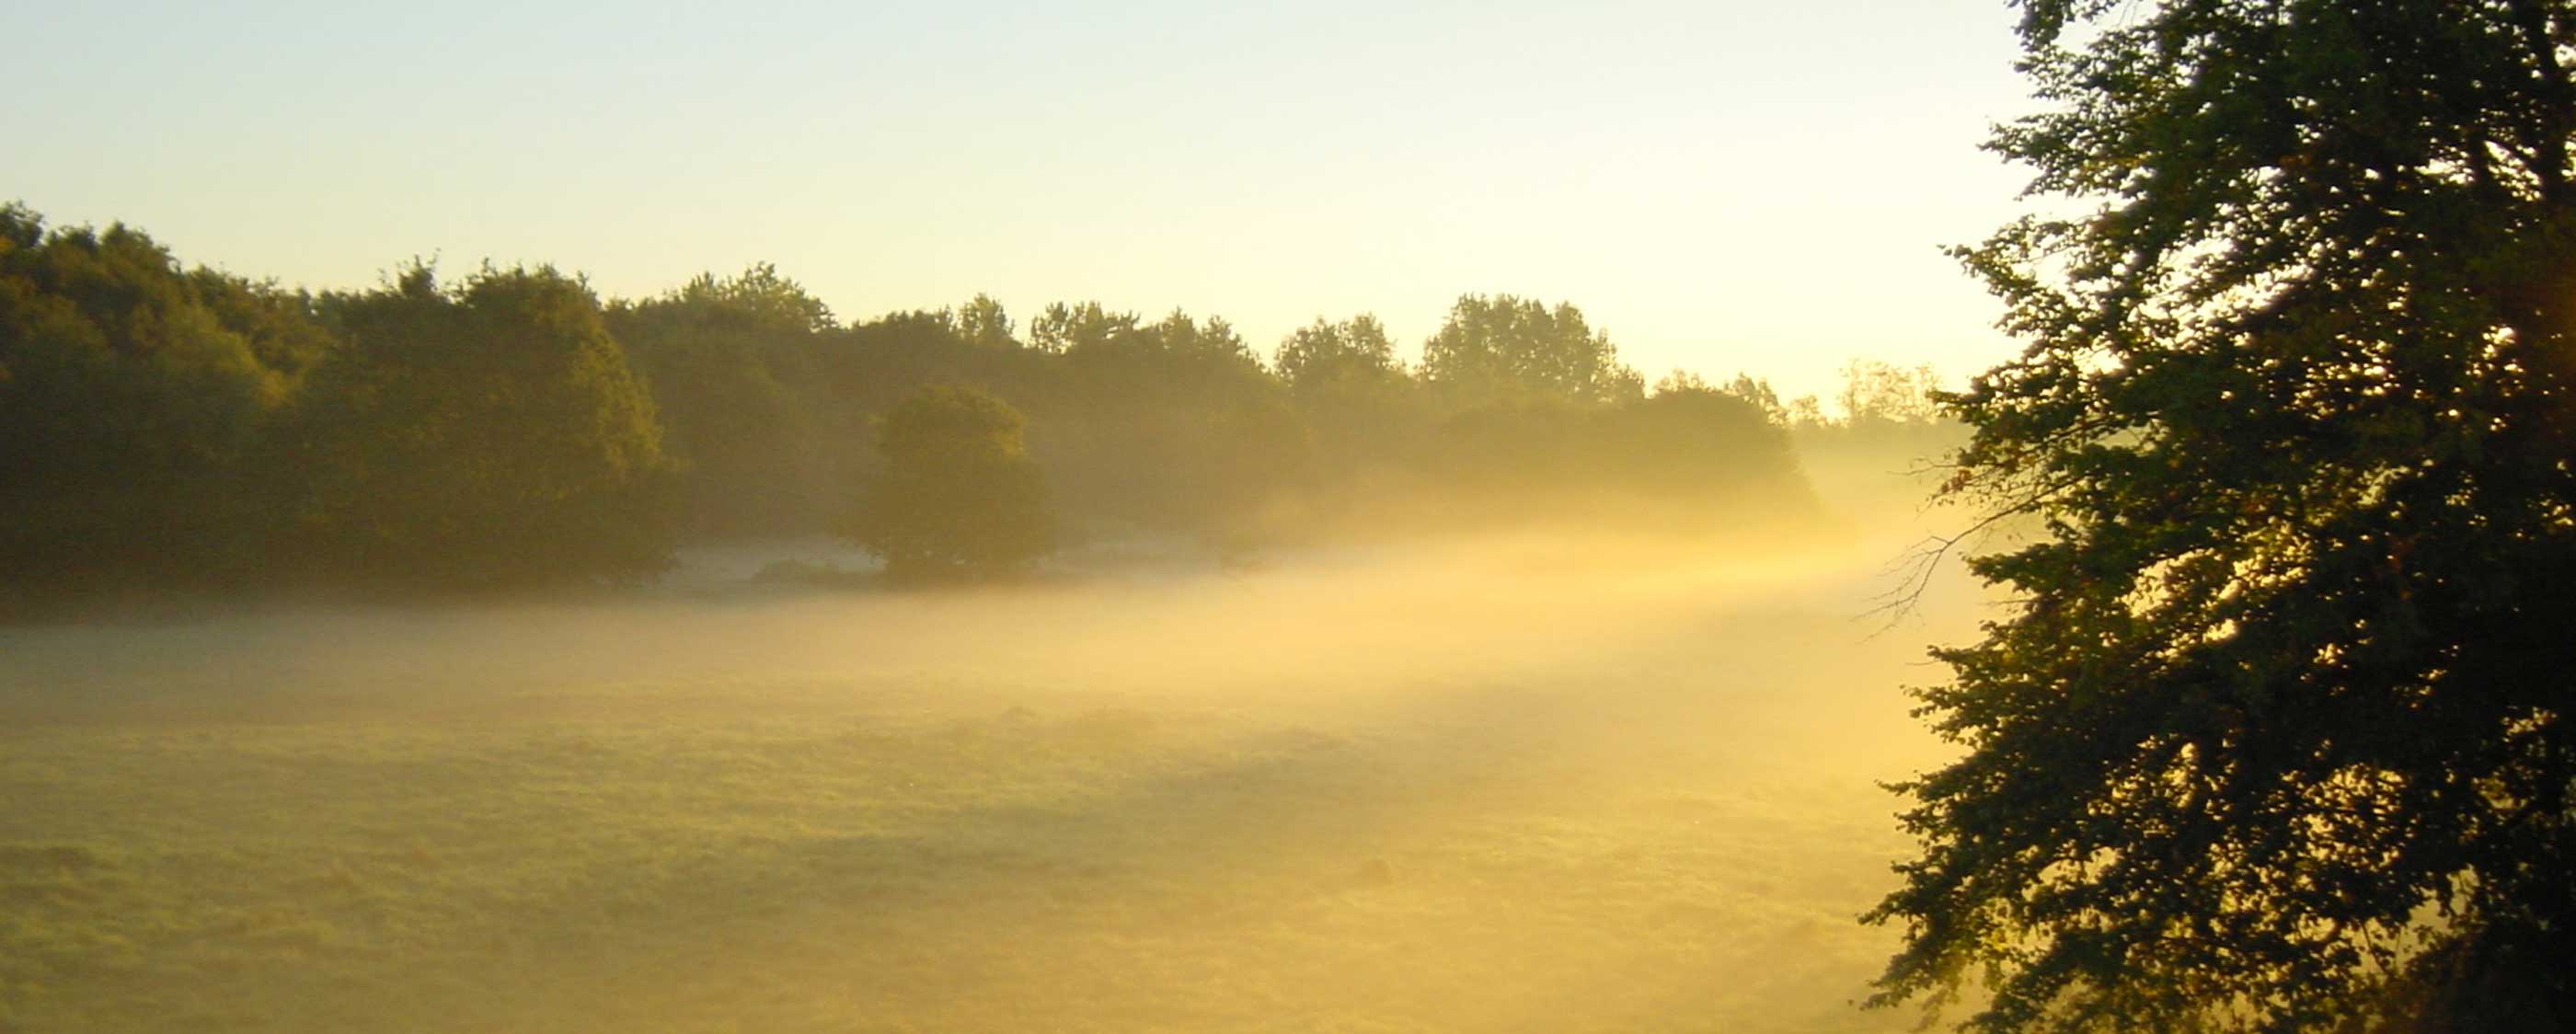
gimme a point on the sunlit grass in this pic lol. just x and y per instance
(1668, 829)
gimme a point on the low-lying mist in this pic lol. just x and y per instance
(1528, 783)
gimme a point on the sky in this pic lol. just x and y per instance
(1722, 185)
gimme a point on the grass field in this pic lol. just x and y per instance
(1522, 794)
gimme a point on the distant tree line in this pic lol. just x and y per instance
(172, 428)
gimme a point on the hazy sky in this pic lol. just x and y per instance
(1722, 184)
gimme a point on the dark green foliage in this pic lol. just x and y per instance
(173, 429)
(487, 436)
(959, 497)
(132, 397)
(2275, 736)
(196, 430)
(739, 383)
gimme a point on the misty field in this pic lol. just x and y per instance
(1519, 789)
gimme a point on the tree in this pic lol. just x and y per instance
(733, 367)
(758, 297)
(133, 398)
(1714, 451)
(483, 436)
(982, 321)
(1172, 425)
(1193, 350)
(2276, 734)
(1503, 347)
(959, 496)
(1758, 391)
(1064, 328)
(1355, 353)
(1360, 409)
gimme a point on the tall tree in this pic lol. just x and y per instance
(1504, 347)
(1063, 328)
(132, 397)
(757, 297)
(734, 368)
(1359, 406)
(2276, 736)
(1354, 353)
(982, 321)
(483, 436)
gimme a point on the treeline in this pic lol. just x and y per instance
(171, 428)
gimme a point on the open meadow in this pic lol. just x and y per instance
(1519, 788)
(1323, 517)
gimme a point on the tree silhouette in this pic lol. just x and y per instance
(132, 401)
(1354, 354)
(1503, 347)
(488, 435)
(959, 496)
(734, 371)
(2275, 736)
(174, 429)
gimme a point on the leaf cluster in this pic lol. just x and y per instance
(2274, 734)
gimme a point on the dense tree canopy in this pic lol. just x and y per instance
(132, 396)
(1509, 346)
(1355, 397)
(167, 428)
(2275, 736)
(983, 322)
(1327, 356)
(959, 496)
(738, 383)
(488, 435)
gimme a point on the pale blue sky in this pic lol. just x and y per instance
(1722, 185)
